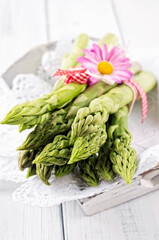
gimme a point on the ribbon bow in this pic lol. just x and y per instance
(74, 74)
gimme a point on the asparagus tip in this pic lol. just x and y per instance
(19, 148)
(71, 161)
(128, 181)
(3, 121)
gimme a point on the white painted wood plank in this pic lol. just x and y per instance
(23, 222)
(137, 219)
(22, 26)
(138, 21)
(93, 17)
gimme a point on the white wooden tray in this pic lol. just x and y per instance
(145, 183)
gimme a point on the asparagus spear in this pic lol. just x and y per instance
(88, 145)
(38, 110)
(58, 152)
(77, 50)
(123, 156)
(25, 158)
(89, 119)
(66, 169)
(64, 61)
(44, 172)
(110, 39)
(31, 171)
(87, 170)
(104, 165)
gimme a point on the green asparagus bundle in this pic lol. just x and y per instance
(123, 156)
(90, 119)
(94, 125)
(88, 172)
(39, 110)
(104, 165)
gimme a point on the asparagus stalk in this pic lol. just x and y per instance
(123, 156)
(44, 172)
(110, 39)
(58, 152)
(87, 170)
(38, 110)
(77, 50)
(104, 165)
(89, 119)
(66, 169)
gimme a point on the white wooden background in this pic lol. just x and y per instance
(27, 23)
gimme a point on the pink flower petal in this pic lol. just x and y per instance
(92, 81)
(117, 58)
(122, 60)
(115, 51)
(119, 79)
(125, 75)
(121, 67)
(105, 52)
(98, 52)
(121, 63)
(86, 63)
(84, 60)
(90, 55)
(95, 55)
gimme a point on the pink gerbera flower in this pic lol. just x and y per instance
(109, 66)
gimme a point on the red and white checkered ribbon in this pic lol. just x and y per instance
(74, 74)
(138, 90)
(81, 76)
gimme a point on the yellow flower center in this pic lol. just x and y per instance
(105, 67)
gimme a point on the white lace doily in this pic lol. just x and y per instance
(67, 188)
